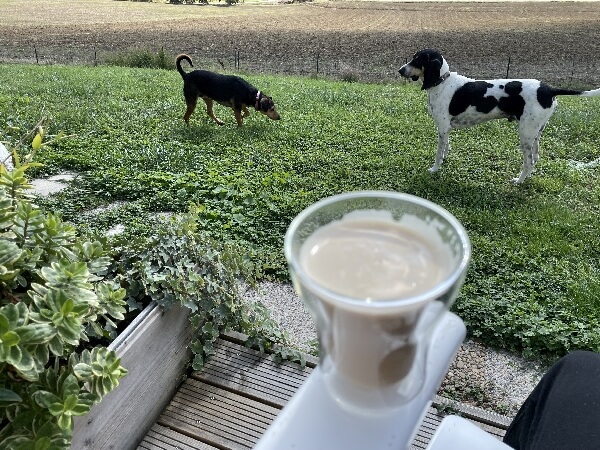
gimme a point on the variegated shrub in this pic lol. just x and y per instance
(53, 298)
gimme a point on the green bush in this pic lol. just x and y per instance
(181, 264)
(141, 58)
(349, 76)
(53, 298)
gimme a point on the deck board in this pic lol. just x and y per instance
(162, 438)
(231, 403)
(249, 372)
(217, 416)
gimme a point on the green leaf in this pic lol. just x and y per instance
(4, 324)
(12, 355)
(15, 315)
(210, 330)
(37, 333)
(208, 349)
(64, 421)
(198, 362)
(67, 307)
(56, 346)
(70, 402)
(36, 144)
(9, 339)
(70, 387)
(46, 399)
(83, 371)
(8, 396)
(9, 253)
(56, 409)
(43, 443)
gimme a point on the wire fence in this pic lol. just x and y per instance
(559, 70)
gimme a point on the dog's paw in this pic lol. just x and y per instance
(433, 169)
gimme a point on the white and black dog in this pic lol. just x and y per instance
(456, 101)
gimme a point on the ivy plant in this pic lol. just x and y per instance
(54, 301)
(182, 264)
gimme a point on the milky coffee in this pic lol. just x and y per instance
(369, 256)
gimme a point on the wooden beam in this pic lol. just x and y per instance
(154, 349)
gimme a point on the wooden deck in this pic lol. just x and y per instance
(230, 404)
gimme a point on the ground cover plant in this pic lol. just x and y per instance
(534, 283)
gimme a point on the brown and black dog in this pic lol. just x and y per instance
(227, 90)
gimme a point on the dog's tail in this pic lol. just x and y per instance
(591, 93)
(178, 60)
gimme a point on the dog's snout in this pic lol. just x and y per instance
(273, 115)
(405, 70)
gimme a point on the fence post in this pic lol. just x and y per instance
(508, 67)
(317, 63)
(37, 60)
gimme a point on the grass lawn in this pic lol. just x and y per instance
(534, 281)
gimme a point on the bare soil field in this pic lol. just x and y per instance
(558, 42)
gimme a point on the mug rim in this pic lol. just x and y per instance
(383, 305)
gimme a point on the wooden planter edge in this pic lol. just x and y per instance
(154, 349)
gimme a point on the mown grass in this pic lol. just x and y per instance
(534, 281)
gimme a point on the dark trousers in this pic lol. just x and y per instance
(563, 411)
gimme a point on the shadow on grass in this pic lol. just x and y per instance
(469, 194)
(201, 130)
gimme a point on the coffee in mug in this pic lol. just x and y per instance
(376, 270)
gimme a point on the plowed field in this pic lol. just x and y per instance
(556, 41)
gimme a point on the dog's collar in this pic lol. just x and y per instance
(257, 103)
(440, 80)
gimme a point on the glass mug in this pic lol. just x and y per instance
(377, 270)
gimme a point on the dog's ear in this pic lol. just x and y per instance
(431, 73)
(266, 103)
